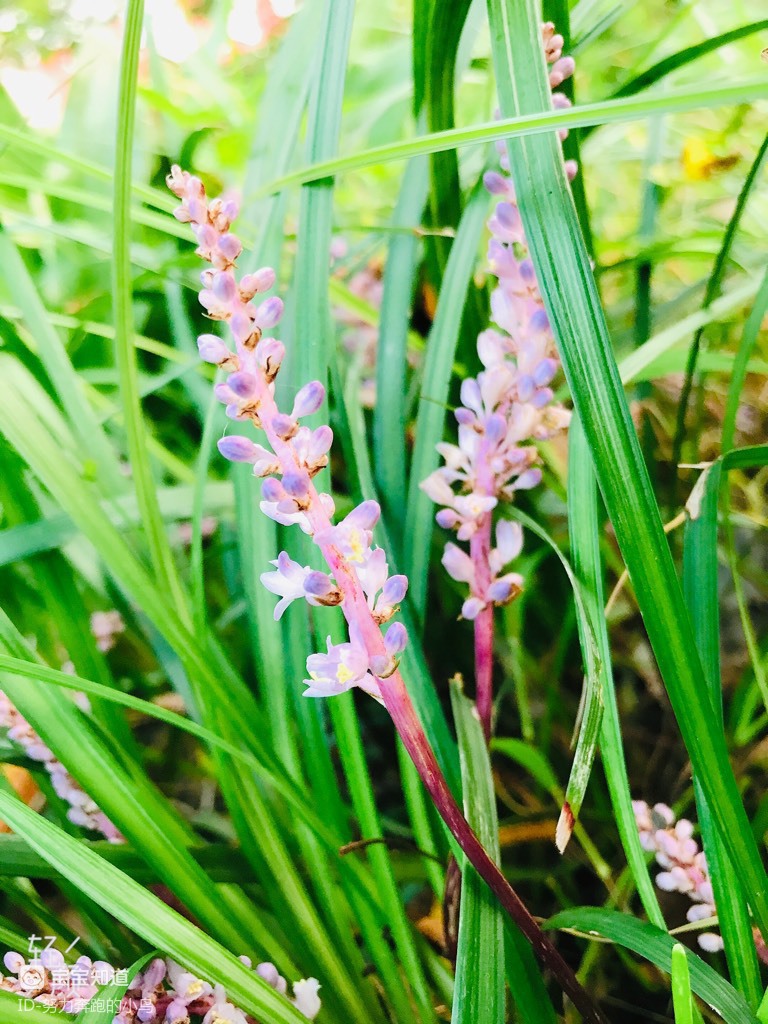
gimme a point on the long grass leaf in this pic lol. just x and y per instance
(656, 946)
(746, 346)
(128, 800)
(312, 318)
(691, 53)
(642, 363)
(573, 305)
(682, 999)
(27, 141)
(700, 583)
(606, 112)
(53, 355)
(391, 354)
(433, 400)
(15, 1009)
(479, 989)
(585, 551)
(592, 701)
(122, 296)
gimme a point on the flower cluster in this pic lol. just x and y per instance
(106, 627)
(359, 580)
(685, 865)
(508, 406)
(82, 809)
(48, 980)
(164, 991)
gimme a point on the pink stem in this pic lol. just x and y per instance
(480, 553)
(400, 707)
(398, 703)
(479, 550)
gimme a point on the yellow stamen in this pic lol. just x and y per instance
(357, 550)
(344, 674)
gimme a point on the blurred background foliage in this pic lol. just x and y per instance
(659, 193)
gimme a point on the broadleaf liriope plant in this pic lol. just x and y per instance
(165, 889)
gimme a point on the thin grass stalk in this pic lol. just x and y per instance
(122, 297)
(714, 284)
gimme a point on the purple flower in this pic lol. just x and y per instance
(352, 536)
(312, 447)
(320, 589)
(342, 667)
(187, 987)
(287, 582)
(222, 1011)
(270, 509)
(458, 564)
(305, 997)
(372, 572)
(505, 588)
(509, 544)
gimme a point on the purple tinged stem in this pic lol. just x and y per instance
(479, 548)
(480, 553)
(397, 701)
(403, 713)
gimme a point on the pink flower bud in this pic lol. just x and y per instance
(318, 584)
(237, 448)
(396, 639)
(270, 353)
(228, 248)
(212, 349)
(224, 286)
(224, 393)
(269, 973)
(269, 312)
(272, 489)
(394, 590)
(264, 278)
(243, 384)
(496, 183)
(284, 426)
(296, 484)
(242, 326)
(472, 608)
(308, 400)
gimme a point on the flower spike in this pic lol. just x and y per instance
(504, 411)
(358, 576)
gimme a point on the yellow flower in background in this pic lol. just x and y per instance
(700, 163)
